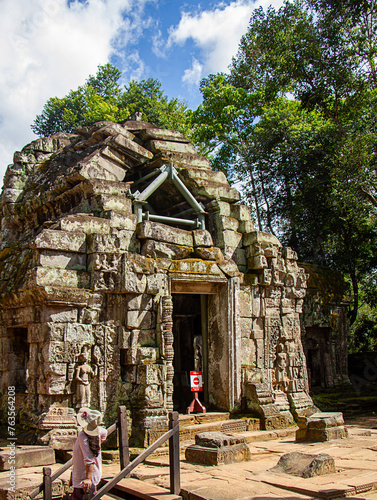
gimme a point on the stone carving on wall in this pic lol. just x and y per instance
(168, 349)
(281, 381)
(83, 376)
(198, 353)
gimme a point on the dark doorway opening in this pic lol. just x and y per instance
(313, 367)
(18, 359)
(189, 327)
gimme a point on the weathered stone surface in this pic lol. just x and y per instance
(224, 193)
(228, 267)
(212, 253)
(257, 262)
(161, 250)
(162, 232)
(260, 237)
(95, 166)
(61, 277)
(194, 266)
(10, 195)
(157, 283)
(221, 207)
(62, 260)
(60, 439)
(229, 238)
(156, 145)
(214, 448)
(26, 456)
(305, 465)
(108, 130)
(322, 426)
(122, 241)
(131, 148)
(135, 283)
(225, 222)
(139, 302)
(60, 240)
(85, 223)
(217, 439)
(134, 263)
(246, 226)
(99, 186)
(142, 320)
(240, 212)
(162, 134)
(202, 238)
(104, 202)
(121, 220)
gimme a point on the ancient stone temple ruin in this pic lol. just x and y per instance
(125, 263)
(325, 327)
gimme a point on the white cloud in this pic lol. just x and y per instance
(158, 44)
(216, 32)
(49, 48)
(193, 76)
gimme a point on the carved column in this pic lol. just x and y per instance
(168, 348)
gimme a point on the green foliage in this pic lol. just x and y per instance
(296, 118)
(101, 98)
(363, 334)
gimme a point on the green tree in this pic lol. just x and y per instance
(297, 121)
(101, 98)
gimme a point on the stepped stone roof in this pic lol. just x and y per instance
(56, 182)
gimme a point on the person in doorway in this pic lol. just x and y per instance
(87, 461)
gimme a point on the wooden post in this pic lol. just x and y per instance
(47, 483)
(175, 479)
(124, 452)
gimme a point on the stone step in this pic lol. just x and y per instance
(140, 489)
(202, 418)
(237, 426)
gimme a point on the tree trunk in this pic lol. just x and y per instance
(353, 313)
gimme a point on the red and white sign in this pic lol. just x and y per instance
(196, 381)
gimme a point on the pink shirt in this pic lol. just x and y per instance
(82, 457)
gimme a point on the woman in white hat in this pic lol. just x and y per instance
(87, 461)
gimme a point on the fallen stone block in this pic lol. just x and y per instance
(305, 465)
(322, 426)
(25, 456)
(214, 448)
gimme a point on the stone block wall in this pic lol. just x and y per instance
(86, 287)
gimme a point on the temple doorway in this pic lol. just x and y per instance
(190, 346)
(18, 358)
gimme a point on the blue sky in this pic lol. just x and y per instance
(48, 47)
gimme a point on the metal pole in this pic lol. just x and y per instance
(172, 220)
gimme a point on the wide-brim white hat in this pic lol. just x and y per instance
(89, 420)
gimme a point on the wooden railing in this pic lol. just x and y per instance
(126, 467)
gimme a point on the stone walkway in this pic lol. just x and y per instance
(355, 460)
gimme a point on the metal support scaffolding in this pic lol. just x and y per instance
(167, 172)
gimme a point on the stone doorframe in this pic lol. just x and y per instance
(223, 374)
